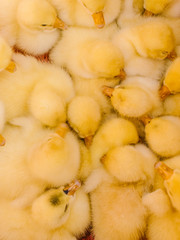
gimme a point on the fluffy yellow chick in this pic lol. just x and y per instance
(135, 97)
(112, 133)
(172, 105)
(30, 25)
(54, 214)
(88, 55)
(171, 83)
(130, 164)
(88, 13)
(163, 135)
(56, 159)
(84, 116)
(161, 223)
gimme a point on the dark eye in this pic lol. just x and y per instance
(43, 25)
(66, 207)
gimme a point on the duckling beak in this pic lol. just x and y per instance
(88, 141)
(60, 24)
(122, 75)
(147, 13)
(2, 140)
(172, 55)
(165, 171)
(62, 130)
(108, 91)
(102, 160)
(11, 67)
(98, 18)
(72, 187)
(164, 92)
(145, 119)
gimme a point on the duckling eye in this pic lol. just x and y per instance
(66, 207)
(54, 200)
(44, 25)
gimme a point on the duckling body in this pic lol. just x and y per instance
(29, 25)
(89, 55)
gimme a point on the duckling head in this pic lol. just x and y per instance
(96, 9)
(38, 15)
(52, 208)
(102, 59)
(5, 57)
(158, 40)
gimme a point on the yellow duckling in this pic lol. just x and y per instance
(88, 55)
(88, 13)
(130, 164)
(84, 116)
(30, 25)
(56, 159)
(162, 222)
(163, 135)
(112, 133)
(53, 214)
(172, 105)
(135, 97)
(171, 83)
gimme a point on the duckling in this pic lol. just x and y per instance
(163, 135)
(162, 222)
(139, 50)
(171, 83)
(88, 55)
(84, 116)
(172, 11)
(130, 164)
(172, 105)
(135, 97)
(30, 25)
(5, 57)
(113, 132)
(43, 90)
(54, 213)
(88, 13)
(56, 159)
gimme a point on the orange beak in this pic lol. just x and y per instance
(11, 67)
(60, 24)
(98, 18)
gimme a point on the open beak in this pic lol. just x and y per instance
(72, 187)
(164, 171)
(2, 140)
(172, 55)
(98, 18)
(60, 24)
(11, 67)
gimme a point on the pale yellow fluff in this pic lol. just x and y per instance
(79, 13)
(117, 213)
(5, 54)
(112, 133)
(29, 24)
(137, 96)
(172, 105)
(84, 115)
(163, 135)
(89, 55)
(172, 77)
(56, 159)
(131, 163)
